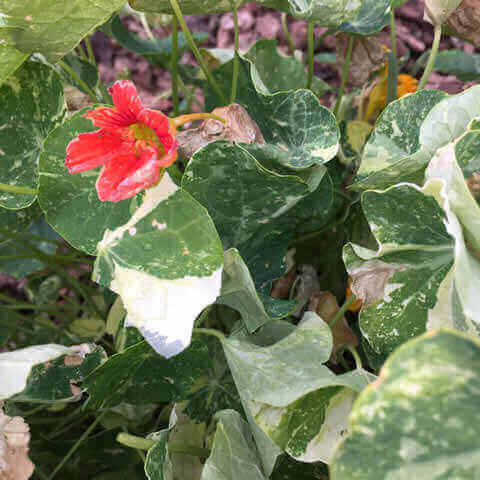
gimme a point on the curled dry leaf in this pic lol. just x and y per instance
(367, 56)
(325, 305)
(14, 440)
(238, 127)
(465, 21)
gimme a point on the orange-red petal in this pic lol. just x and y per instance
(126, 100)
(90, 150)
(126, 175)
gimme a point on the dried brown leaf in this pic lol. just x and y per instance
(14, 440)
(238, 127)
(367, 57)
(465, 21)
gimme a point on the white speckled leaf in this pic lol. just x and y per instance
(54, 28)
(248, 203)
(324, 12)
(398, 283)
(372, 17)
(394, 150)
(31, 105)
(299, 132)
(420, 419)
(61, 193)
(234, 455)
(47, 373)
(285, 386)
(165, 263)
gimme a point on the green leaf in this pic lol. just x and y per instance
(298, 131)
(16, 221)
(466, 66)
(187, 6)
(287, 389)
(238, 291)
(52, 28)
(61, 193)
(288, 468)
(157, 463)
(167, 251)
(324, 12)
(47, 373)
(372, 17)
(31, 105)
(23, 260)
(399, 283)
(215, 390)
(395, 150)
(234, 455)
(10, 57)
(139, 376)
(85, 70)
(419, 419)
(272, 72)
(233, 185)
(158, 51)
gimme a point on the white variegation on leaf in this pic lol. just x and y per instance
(287, 390)
(16, 366)
(165, 263)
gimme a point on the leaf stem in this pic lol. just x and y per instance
(101, 86)
(84, 436)
(196, 52)
(132, 441)
(433, 55)
(146, 26)
(191, 117)
(346, 70)
(20, 190)
(286, 31)
(342, 310)
(211, 332)
(392, 62)
(311, 46)
(356, 356)
(176, 103)
(78, 80)
(236, 58)
(91, 55)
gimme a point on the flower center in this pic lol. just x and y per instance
(145, 136)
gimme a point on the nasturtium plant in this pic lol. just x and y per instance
(273, 278)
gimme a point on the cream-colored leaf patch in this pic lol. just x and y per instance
(165, 310)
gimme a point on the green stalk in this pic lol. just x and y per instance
(342, 310)
(353, 351)
(286, 31)
(211, 332)
(432, 57)
(81, 53)
(91, 57)
(176, 103)
(392, 62)
(346, 70)
(84, 436)
(146, 27)
(183, 24)
(236, 58)
(20, 190)
(311, 46)
(133, 441)
(80, 82)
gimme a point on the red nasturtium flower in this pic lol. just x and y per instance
(133, 144)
